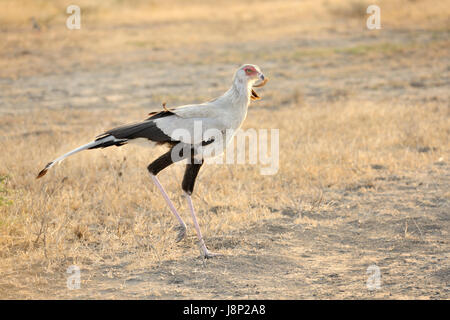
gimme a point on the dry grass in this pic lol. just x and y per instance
(89, 210)
(99, 208)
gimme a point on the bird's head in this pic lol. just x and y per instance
(251, 76)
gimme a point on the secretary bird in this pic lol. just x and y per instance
(224, 114)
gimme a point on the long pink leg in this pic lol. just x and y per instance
(205, 251)
(182, 228)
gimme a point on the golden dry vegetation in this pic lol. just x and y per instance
(364, 150)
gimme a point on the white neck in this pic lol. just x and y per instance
(239, 92)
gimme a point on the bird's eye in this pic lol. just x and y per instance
(248, 70)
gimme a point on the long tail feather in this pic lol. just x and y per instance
(99, 143)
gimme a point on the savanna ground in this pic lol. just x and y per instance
(364, 150)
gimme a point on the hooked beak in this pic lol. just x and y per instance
(263, 81)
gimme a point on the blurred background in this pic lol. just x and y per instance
(199, 40)
(364, 145)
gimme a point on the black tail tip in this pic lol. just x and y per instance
(41, 173)
(44, 171)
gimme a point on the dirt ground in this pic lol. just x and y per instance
(290, 259)
(400, 224)
(364, 176)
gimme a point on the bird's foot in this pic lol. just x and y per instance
(181, 232)
(208, 254)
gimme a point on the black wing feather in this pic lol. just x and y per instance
(145, 129)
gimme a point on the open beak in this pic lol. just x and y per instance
(263, 81)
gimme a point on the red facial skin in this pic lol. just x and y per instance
(250, 71)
